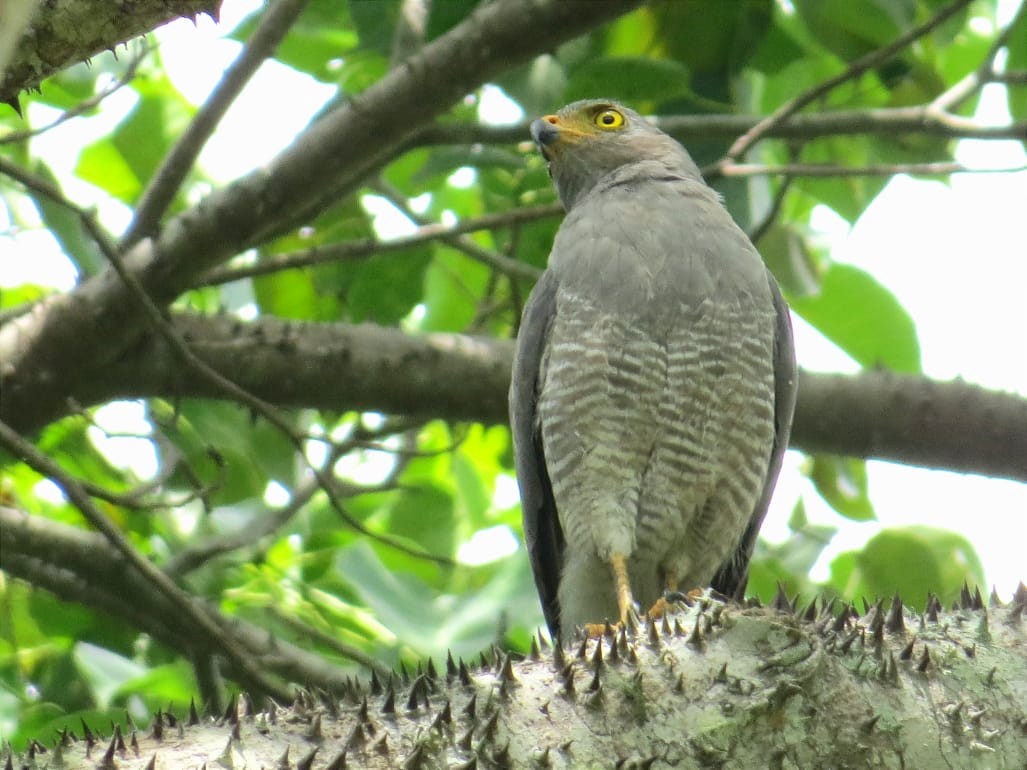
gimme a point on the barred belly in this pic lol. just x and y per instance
(657, 435)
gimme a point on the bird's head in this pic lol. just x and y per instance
(587, 140)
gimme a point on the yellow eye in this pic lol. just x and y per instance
(609, 119)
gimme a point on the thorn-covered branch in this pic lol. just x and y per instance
(67, 33)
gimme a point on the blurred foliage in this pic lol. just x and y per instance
(445, 489)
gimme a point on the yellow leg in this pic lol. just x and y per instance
(622, 585)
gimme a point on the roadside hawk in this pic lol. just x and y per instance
(654, 380)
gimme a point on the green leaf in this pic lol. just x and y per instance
(106, 671)
(68, 442)
(22, 295)
(102, 164)
(842, 482)
(248, 452)
(375, 22)
(863, 318)
(387, 286)
(48, 718)
(849, 196)
(789, 562)
(293, 294)
(361, 70)
(633, 79)
(400, 602)
(452, 286)
(912, 561)
(444, 160)
(442, 17)
(170, 683)
(853, 29)
(146, 135)
(791, 259)
(66, 226)
(424, 515)
(538, 86)
(713, 38)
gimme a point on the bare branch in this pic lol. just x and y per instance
(368, 247)
(489, 257)
(854, 70)
(167, 180)
(793, 170)
(908, 419)
(955, 425)
(891, 121)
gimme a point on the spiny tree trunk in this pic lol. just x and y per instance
(711, 686)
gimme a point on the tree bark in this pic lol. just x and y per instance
(66, 32)
(712, 685)
(880, 414)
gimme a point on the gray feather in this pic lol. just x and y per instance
(653, 385)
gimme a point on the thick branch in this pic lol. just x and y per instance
(953, 425)
(713, 686)
(904, 418)
(82, 567)
(66, 32)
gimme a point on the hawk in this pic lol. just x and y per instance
(654, 380)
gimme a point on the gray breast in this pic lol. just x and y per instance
(656, 400)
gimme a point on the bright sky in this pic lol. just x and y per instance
(953, 255)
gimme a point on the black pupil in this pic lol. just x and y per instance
(608, 119)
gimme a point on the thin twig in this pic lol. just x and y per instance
(510, 267)
(942, 168)
(331, 641)
(367, 247)
(167, 180)
(887, 121)
(44, 187)
(854, 70)
(167, 332)
(84, 106)
(133, 499)
(253, 677)
(196, 555)
(985, 72)
(1012, 78)
(409, 32)
(761, 228)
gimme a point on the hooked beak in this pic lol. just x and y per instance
(549, 132)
